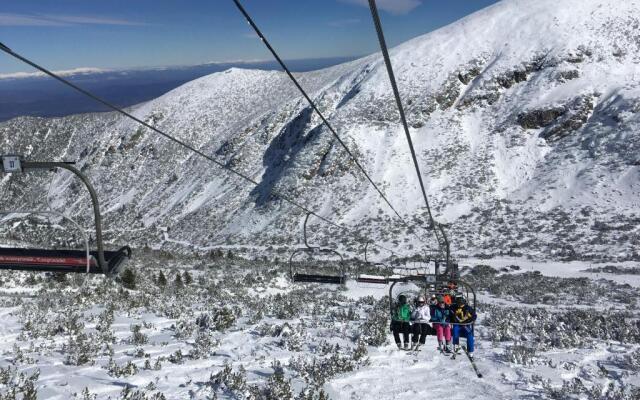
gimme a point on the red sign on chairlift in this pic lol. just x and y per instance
(29, 260)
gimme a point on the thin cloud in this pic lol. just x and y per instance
(62, 20)
(393, 6)
(344, 22)
(67, 73)
(27, 20)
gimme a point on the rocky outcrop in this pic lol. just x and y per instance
(559, 121)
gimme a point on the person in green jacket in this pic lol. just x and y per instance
(400, 322)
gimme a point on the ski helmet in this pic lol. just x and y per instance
(421, 299)
(440, 299)
(402, 299)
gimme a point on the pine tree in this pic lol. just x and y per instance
(188, 280)
(128, 279)
(178, 281)
(162, 280)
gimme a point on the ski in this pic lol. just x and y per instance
(414, 351)
(444, 353)
(473, 363)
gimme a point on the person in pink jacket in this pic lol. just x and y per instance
(441, 318)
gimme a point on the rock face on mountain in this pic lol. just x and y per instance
(525, 117)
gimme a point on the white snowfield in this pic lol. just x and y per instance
(157, 343)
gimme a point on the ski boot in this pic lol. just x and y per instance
(407, 346)
(447, 348)
(399, 346)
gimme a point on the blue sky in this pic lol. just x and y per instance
(66, 34)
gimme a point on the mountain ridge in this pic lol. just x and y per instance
(522, 121)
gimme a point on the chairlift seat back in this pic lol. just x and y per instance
(313, 278)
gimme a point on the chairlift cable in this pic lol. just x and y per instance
(113, 107)
(396, 93)
(315, 108)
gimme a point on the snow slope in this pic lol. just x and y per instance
(231, 328)
(525, 116)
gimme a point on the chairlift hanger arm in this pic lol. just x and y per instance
(27, 165)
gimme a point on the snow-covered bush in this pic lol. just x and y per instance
(229, 380)
(117, 371)
(128, 278)
(374, 330)
(535, 288)
(137, 337)
(203, 346)
(576, 389)
(219, 319)
(80, 349)
(330, 362)
(129, 394)
(630, 361)
(520, 354)
(18, 385)
(562, 328)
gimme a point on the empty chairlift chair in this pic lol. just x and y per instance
(331, 271)
(372, 272)
(49, 260)
(44, 260)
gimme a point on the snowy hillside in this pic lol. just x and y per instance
(525, 116)
(526, 119)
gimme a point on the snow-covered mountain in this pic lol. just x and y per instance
(525, 116)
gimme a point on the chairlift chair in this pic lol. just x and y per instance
(44, 260)
(303, 274)
(372, 272)
(425, 285)
(413, 268)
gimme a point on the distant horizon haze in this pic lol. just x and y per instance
(41, 96)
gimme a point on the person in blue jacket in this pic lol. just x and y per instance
(464, 315)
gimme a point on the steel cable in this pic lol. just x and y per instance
(396, 93)
(315, 108)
